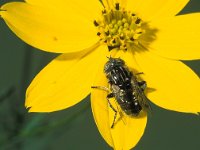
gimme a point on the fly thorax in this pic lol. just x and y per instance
(115, 88)
(119, 28)
(121, 92)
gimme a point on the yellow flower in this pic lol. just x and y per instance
(146, 34)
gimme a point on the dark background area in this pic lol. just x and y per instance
(74, 128)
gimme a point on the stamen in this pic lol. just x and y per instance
(96, 23)
(117, 6)
(104, 11)
(107, 33)
(112, 47)
(132, 39)
(119, 29)
(137, 21)
(98, 33)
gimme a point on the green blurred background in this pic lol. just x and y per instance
(74, 128)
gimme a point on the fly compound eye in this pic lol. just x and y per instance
(120, 61)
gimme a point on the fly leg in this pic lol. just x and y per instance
(139, 73)
(111, 106)
(142, 85)
(101, 88)
(111, 95)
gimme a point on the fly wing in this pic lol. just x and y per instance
(139, 93)
(144, 101)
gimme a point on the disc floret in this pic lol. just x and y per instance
(119, 28)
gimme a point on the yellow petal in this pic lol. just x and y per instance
(64, 82)
(100, 108)
(91, 9)
(128, 130)
(122, 3)
(59, 30)
(156, 9)
(176, 86)
(110, 4)
(178, 37)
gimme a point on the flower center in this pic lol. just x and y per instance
(119, 28)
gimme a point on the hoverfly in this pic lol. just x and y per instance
(125, 88)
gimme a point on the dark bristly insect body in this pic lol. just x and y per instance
(125, 88)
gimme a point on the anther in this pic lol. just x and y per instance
(132, 39)
(117, 6)
(132, 14)
(119, 23)
(114, 41)
(124, 20)
(137, 21)
(104, 11)
(126, 25)
(112, 47)
(98, 33)
(96, 23)
(121, 37)
(107, 33)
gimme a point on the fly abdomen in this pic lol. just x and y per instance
(128, 103)
(134, 108)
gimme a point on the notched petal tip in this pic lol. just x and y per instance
(2, 11)
(28, 109)
(28, 106)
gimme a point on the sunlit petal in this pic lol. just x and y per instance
(175, 86)
(156, 9)
(110, 4)
(178, 37)
(64, 82)
(90, 8)
(122, 3)
(50, 29)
